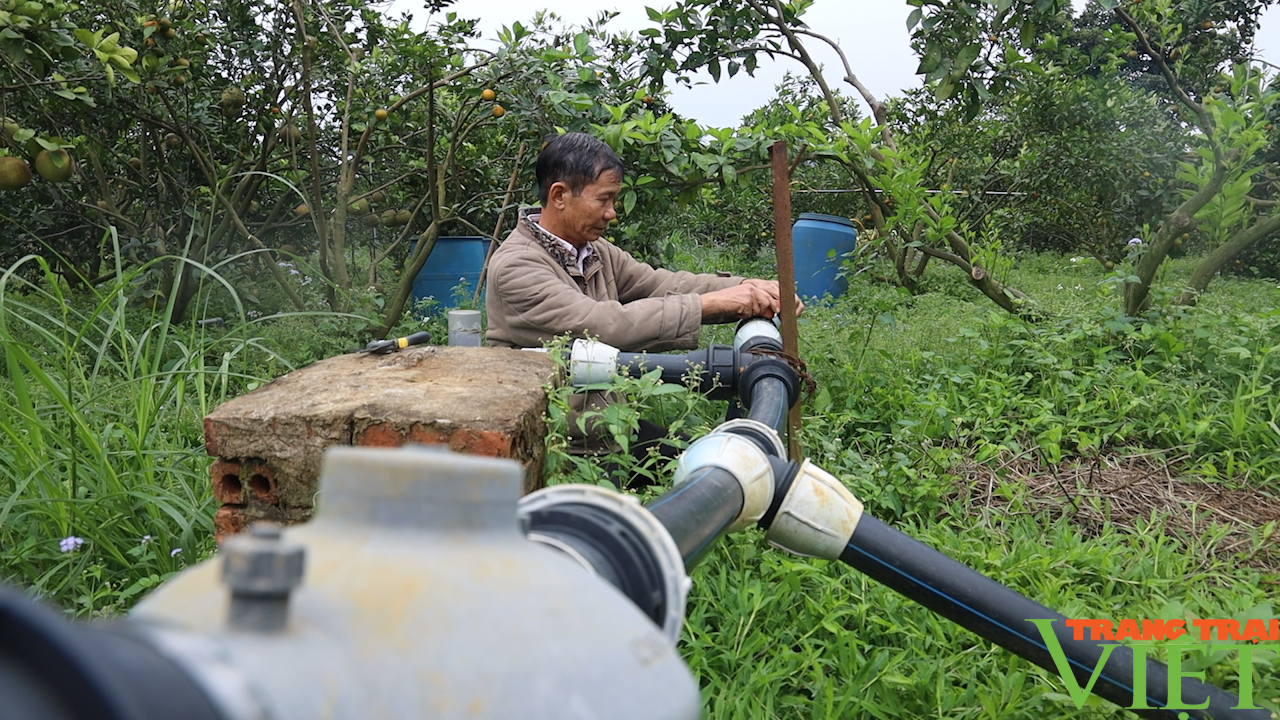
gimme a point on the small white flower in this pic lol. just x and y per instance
(306, 279)
(293, 272)
(70, 543)
(175, 552)
(145, 539)
(284, 264)
(1135, 241)
(253, 314)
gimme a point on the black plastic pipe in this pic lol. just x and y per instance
(715, 366)
(699, 511)
(768, 403)
(1001, 615)
(52, 669)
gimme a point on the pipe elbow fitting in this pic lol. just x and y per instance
(592, 362)
(817, 517)
(742, 459)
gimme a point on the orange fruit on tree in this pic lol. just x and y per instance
(381, 114)
(488, 94)
(499, 111)
(302, 210)
(55, 166)
(14, 173)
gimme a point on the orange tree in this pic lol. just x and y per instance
(247, 136)
(726, 37)
(1193, 56)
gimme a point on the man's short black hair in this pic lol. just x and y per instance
(575, 159)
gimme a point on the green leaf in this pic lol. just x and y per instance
(582, 44)
(628, 201)
(967, 55)
(914, 19)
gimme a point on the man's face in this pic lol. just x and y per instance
(586, 215)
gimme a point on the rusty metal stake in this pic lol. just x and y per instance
(786, 275)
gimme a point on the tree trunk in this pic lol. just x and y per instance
(1137, 296)
(421, 251)
(1223, 254)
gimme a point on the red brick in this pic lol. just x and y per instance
(228, 521)
(380, 435)
(228, 486)
(481, 442)
(262, 483)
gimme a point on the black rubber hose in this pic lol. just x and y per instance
(1000, 615)
(699, 511)
(52, 668)
(769, 403)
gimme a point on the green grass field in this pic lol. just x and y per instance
(972, 431)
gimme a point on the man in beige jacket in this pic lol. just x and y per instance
(553, 276)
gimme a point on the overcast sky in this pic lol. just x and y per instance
(872, 33)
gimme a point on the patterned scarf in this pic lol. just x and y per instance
(554, 245)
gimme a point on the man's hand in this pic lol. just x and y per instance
(752, 298)
(771, 287)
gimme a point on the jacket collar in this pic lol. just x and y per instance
(556, 247)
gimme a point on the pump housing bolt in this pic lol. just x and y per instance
(261, 571)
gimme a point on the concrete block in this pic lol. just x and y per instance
(268, 443)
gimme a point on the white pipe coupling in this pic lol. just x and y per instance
(592, 362)
(817, 517)
(741, 458)
(755, 328)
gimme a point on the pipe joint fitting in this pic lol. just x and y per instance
(741, 458)
(768, 366)
(765, 437)
(614, 537)
(817, 517)
(757, 332)
(592, 362)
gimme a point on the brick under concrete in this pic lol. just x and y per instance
(268, 444)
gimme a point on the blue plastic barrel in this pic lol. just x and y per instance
(820, 242)
(453, 260)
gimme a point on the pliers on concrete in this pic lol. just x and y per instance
(382, 347)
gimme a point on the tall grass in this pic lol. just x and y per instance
(104, 488)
